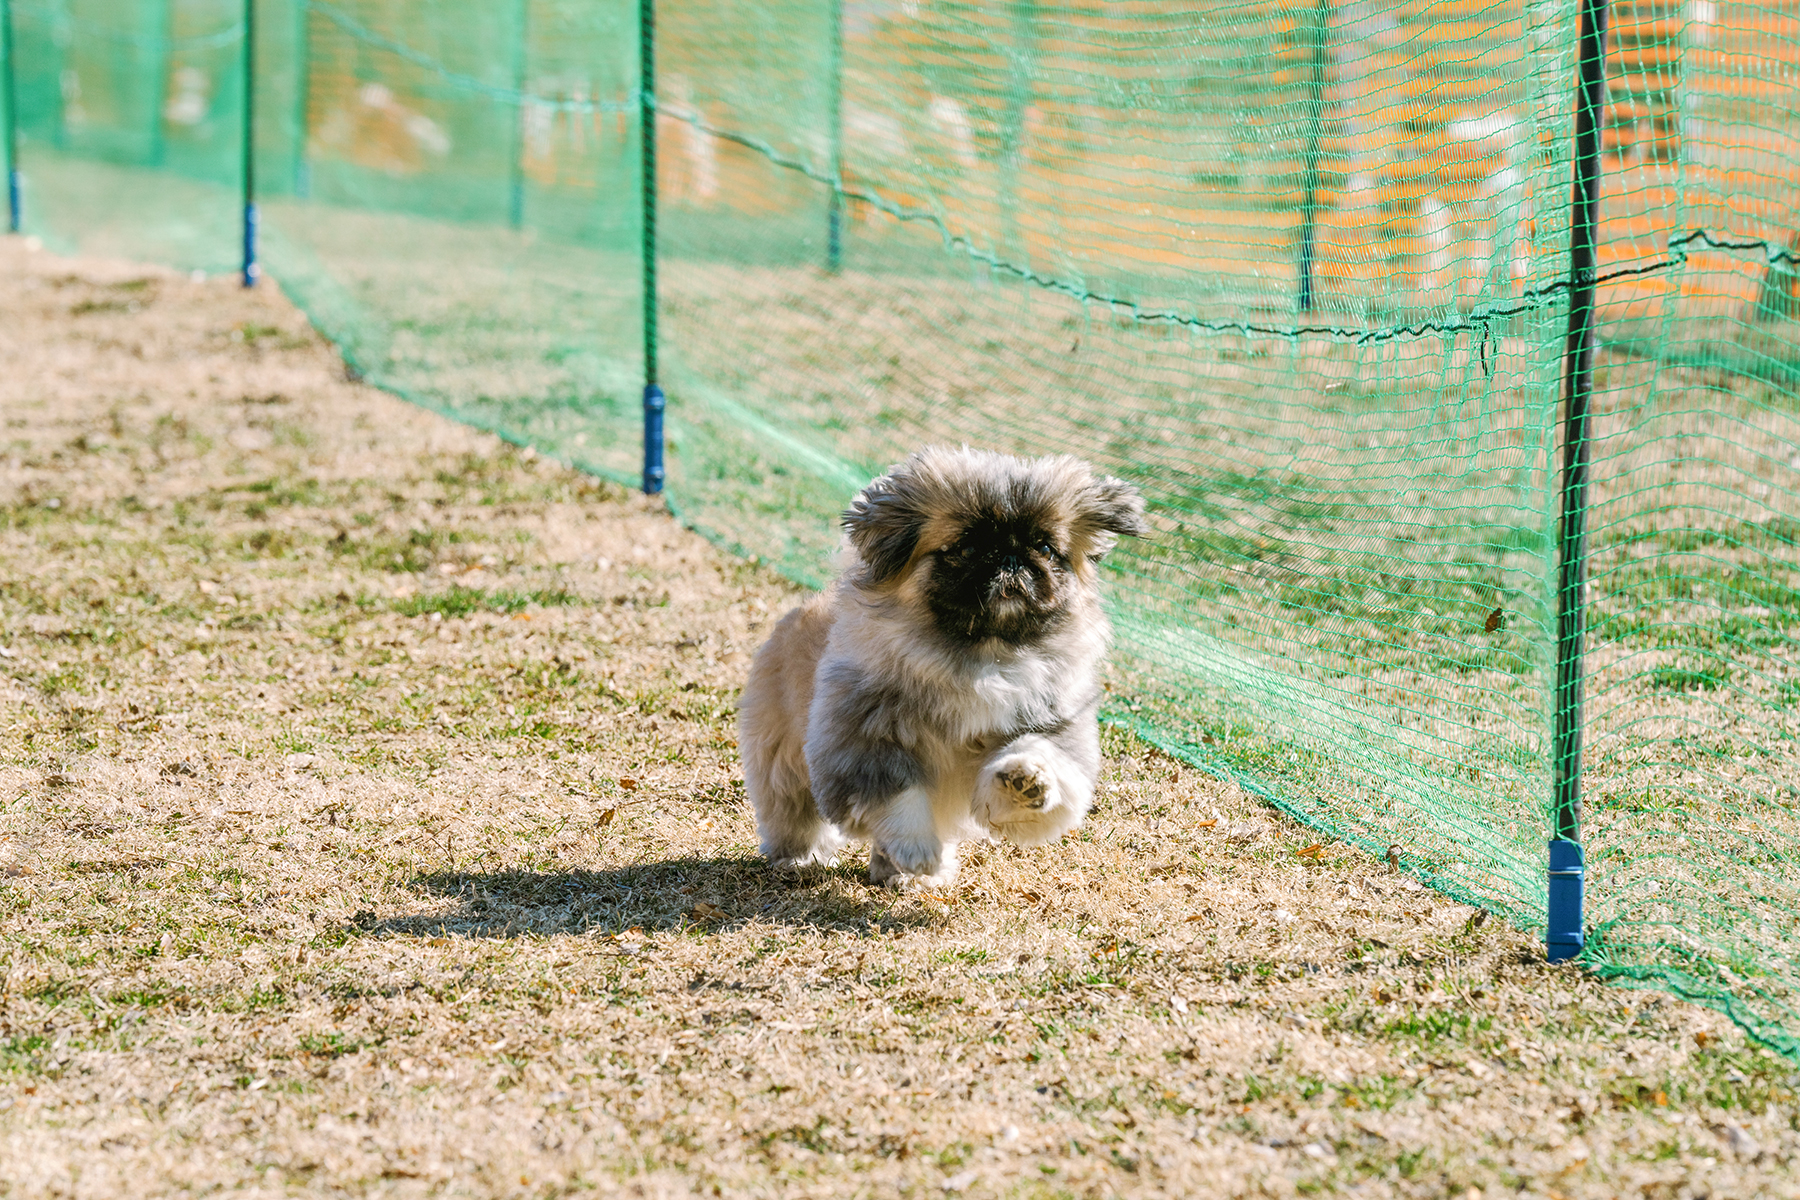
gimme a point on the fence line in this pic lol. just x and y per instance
(1277, 553)
(9, 92)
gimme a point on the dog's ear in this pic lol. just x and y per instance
(884, 522)
(1113, 506)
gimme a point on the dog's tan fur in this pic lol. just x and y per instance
(944, 689)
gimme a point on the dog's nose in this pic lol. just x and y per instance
(1010, 579)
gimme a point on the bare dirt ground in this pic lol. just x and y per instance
(370, 824)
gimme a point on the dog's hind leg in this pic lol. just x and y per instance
(788, 824)
(771, 731)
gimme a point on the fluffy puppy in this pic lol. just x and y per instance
(945, 687)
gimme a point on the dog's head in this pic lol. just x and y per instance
(985, 545)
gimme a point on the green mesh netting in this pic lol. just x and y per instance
(1299, 270)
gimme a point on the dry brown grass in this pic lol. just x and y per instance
(372, 826)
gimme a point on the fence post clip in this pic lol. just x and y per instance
(252, 268)
(1564, 939)
(654, 404)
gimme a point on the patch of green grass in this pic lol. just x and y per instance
(1429, 1025)
(267, 543)
(23, 1054)
(152, 999)
(330, 1045)
(83, 307)
(271, 493)
(459, 601)
(63, 679)
(409, 553)
(1768, 583)
(1709, 678)
(1711, 630)
(1745, 1081)
(1644, 800)
(1375, 1091)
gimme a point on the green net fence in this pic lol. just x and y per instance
(1300, 270)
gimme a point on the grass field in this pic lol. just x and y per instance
(370, 824)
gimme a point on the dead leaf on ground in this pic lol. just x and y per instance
(1496, 620)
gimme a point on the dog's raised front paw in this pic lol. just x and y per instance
(1017, 788)
(1031, 785)
(1020, 798)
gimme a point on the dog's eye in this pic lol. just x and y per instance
(1046, 549)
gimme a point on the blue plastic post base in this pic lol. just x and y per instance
(1564, 939)
(251, 269)
(654, 404)
(15, 201)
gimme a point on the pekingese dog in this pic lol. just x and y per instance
(945, 687)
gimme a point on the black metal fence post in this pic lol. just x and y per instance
(1309, 201)
(302, 165)
(14, 193)
(834, 103)
(1564, 937)
(515, 195)
(251, 269)
(654, 402)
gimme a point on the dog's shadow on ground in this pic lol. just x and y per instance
(679, 893)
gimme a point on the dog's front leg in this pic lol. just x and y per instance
(868, 781)
(1037, 787)
(908, 851)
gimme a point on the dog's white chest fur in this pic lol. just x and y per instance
(977, 694)
(1003, 695)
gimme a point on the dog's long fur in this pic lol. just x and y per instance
(945, 687)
